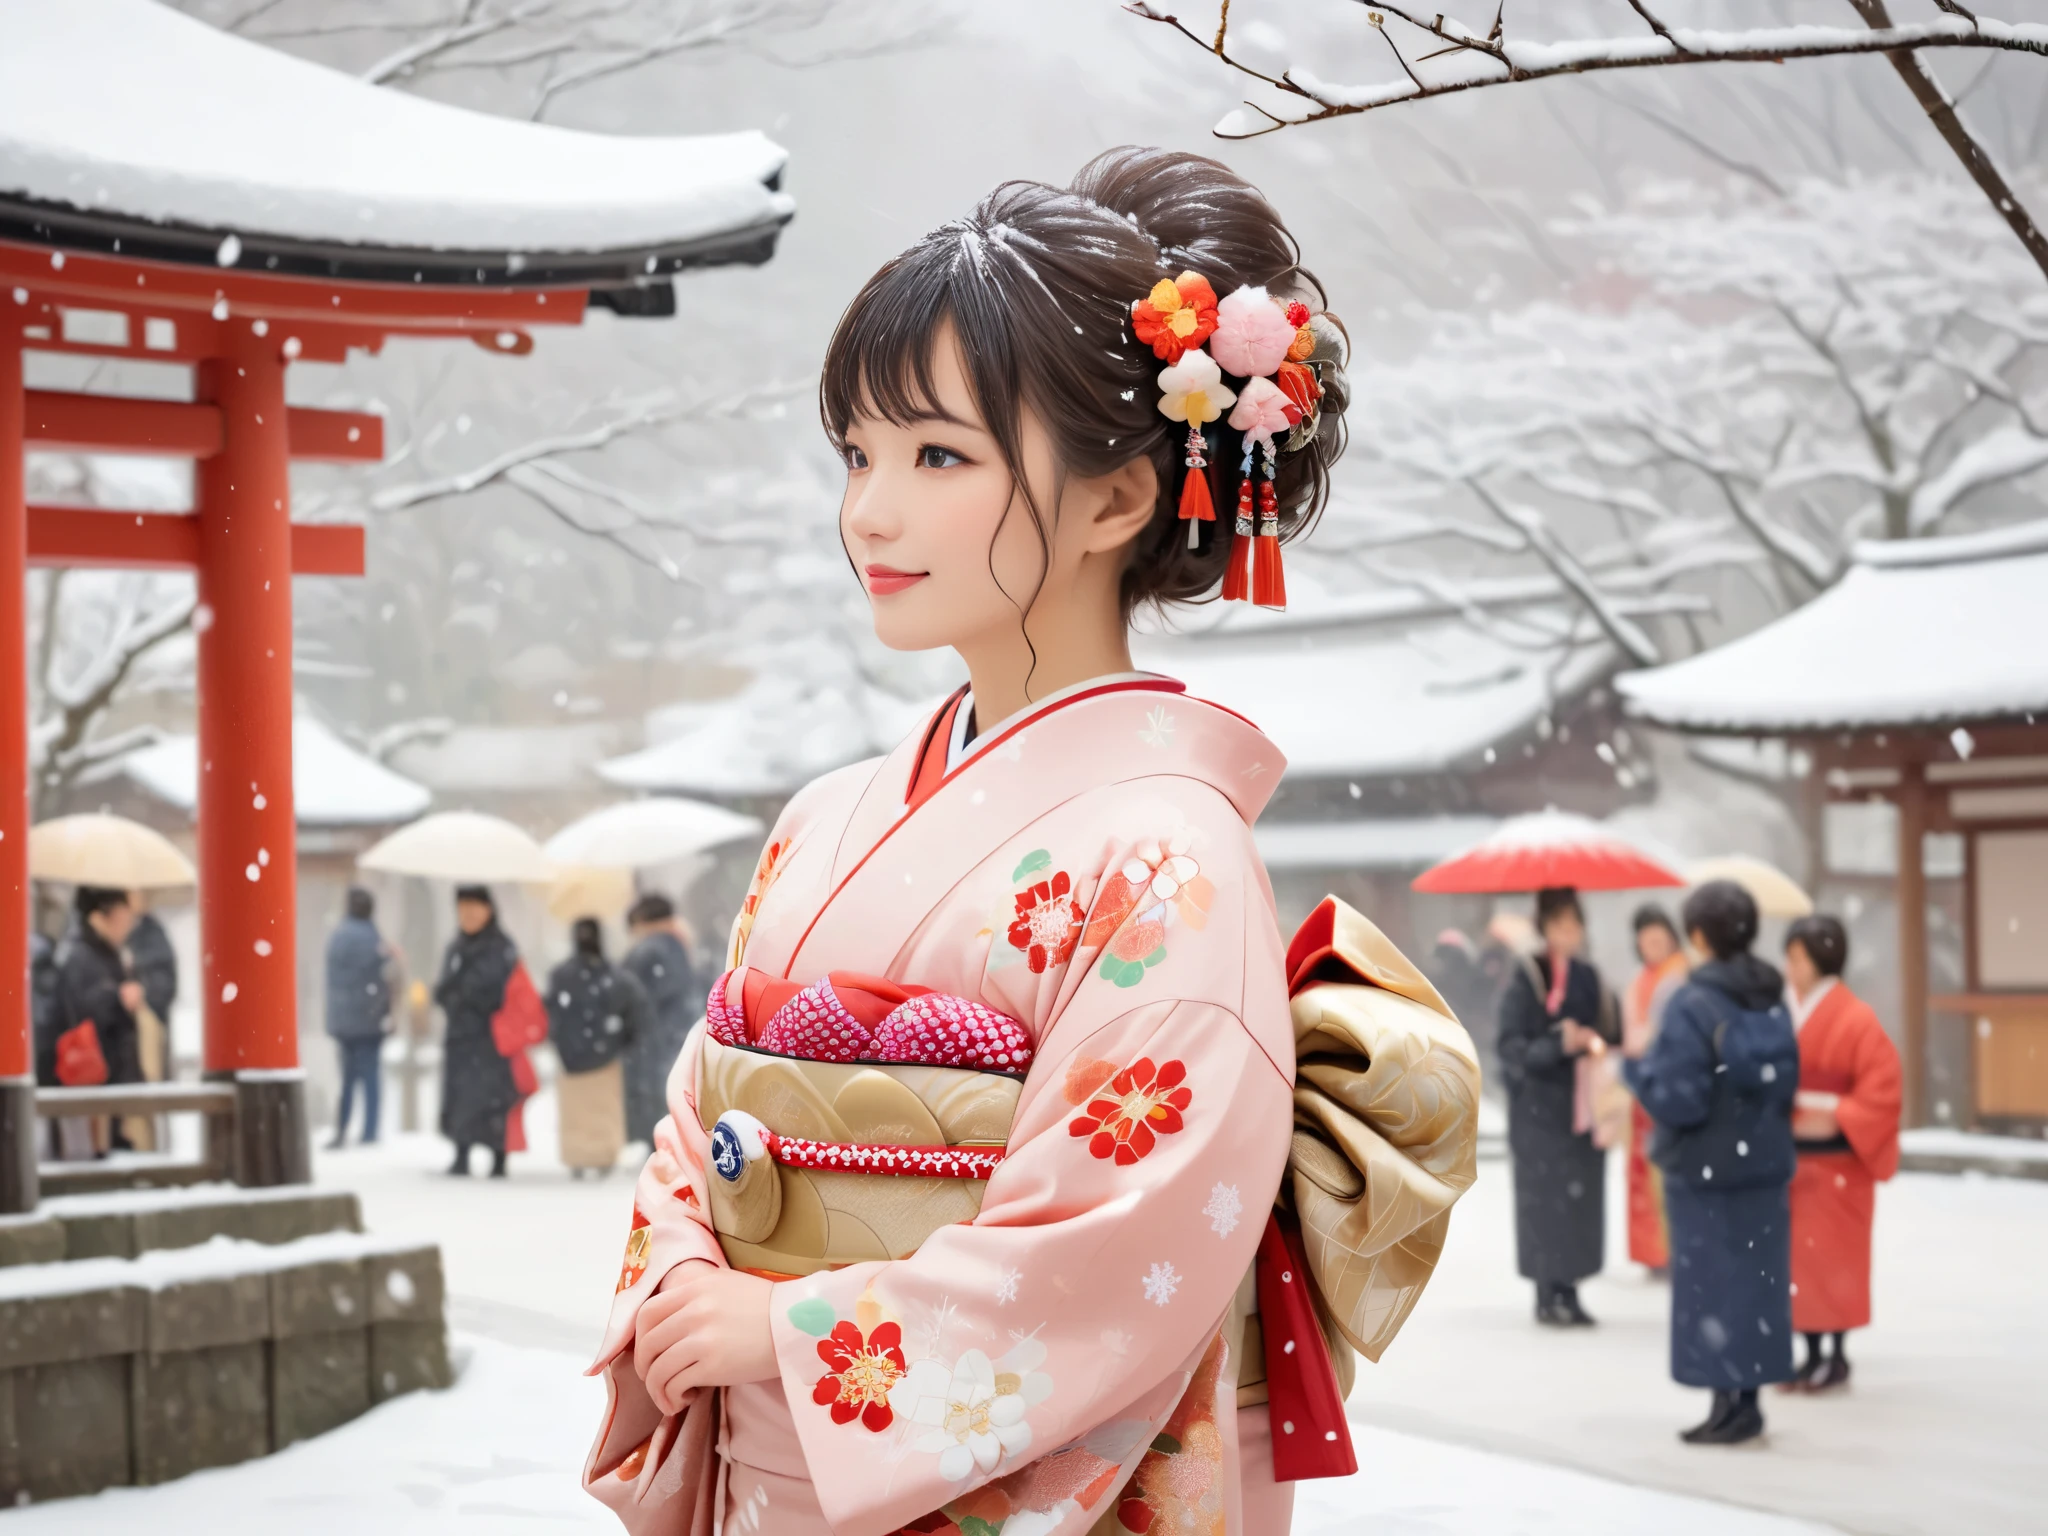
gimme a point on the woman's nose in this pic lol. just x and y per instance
(869, 509)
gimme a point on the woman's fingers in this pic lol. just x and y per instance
(669, 1377)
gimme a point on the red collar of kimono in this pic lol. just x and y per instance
(928, 771)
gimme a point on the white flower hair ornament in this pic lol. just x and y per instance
(1271, 344)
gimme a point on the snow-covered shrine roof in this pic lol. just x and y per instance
(1363, 702)
(1926, 632)
(127, 126)
(333, 784)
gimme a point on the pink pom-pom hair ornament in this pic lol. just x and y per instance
(1252, 335)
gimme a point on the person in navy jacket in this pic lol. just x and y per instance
(1719, 1082)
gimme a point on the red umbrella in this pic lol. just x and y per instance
(1530, 853)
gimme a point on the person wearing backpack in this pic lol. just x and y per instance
(596, 1010)
(1719, 1082)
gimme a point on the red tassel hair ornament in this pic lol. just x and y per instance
(1196, 505)
(1237, 582)
(1269, 581)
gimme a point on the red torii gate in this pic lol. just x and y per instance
(242, 211)
(239, 332)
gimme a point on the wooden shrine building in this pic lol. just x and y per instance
(1921, 681)
(175, 195)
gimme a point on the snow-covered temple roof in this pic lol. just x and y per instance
(127, 126)
(333, 784)
(1387, 842)
(1369, 702)
(1926, 632)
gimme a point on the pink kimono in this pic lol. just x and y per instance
(1087, 871)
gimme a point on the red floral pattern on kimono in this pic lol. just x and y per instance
(864, 1368)
(1141, 1104)
(1048, 923)
(638, 1245)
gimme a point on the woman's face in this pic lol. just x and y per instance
(1654, 944)
(1564, 934)
(941, 537)
(1800, 969)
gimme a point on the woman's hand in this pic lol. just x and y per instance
(1814, 1117)
(704, 1327)
(1578, 1039)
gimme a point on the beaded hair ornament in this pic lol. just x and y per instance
(1277, 353)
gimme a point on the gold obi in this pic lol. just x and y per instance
(784, 1221)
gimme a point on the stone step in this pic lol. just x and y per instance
(128, 1223)
(117, 1371)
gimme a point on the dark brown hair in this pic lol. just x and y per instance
(1038, 283)
(1825, 941)
(1724, 914)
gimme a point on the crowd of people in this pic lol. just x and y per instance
(1758, 1108)
(616, 1027)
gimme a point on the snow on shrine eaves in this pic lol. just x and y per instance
(128, 111)
(1926, 632)
(333, 784)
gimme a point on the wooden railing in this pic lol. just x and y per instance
(216, 1101)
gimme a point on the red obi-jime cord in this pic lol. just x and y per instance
(1311, 1436)
(848, 1016)
(904, 1162)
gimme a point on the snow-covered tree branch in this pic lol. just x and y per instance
(1439, 55)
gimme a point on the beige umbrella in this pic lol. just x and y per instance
(1777, 894)
(581, 891)
(97, 849)
(659, 830)
(461, 845)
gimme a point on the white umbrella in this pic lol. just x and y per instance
(461, 845)
(97, 849)
(636, 833)
(1776, 893)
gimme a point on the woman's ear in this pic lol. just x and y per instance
(1129, 495)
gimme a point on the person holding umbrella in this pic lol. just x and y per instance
(1555, 1013)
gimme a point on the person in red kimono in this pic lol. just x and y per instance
(1846, 1124)
(1664, 969)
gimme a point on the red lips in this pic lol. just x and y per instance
(886, 579)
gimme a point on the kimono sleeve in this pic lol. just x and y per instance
(1108, 1247)
(1869, 1112)
(669, 1227)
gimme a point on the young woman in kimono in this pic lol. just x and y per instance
(951, 1224)
(1845, 1122)
(1663, 972)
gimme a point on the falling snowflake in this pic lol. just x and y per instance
(1161, 1283)
(1006, 1288)
(1223, 1209)
(1158, 728)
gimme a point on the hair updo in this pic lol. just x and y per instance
(1038, 283)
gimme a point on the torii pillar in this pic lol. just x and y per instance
(18, 1189)
(248, 898)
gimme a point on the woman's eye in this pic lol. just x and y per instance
(932, 456)
(855, 458)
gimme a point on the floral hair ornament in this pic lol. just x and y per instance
(1176, 317)
(1193, 391)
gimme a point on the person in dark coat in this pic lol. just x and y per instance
(595, 1013)
(1719, 1081)
(1553, 1011)
(359, 970)
(477, 1087)
(44, 1006)
(155, 963)
(96, 985)
(660, 961)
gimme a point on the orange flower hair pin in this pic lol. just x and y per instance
(1176, 317)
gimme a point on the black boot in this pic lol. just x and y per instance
(461, 1165)
(1574, 1314)
(1835, 1373)
(1739, 1419)
(1549, 1311)
(497, 1162)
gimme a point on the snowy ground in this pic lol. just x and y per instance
(1939, 1433)
(1476, 1424)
